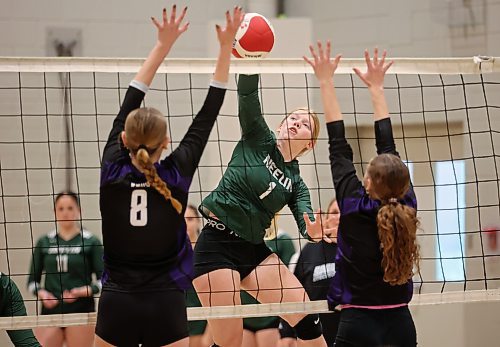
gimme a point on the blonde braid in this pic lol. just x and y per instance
(154, 180)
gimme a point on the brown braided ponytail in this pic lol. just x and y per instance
(397, 223)
(145, 129)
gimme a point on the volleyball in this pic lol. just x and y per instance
(255, 37)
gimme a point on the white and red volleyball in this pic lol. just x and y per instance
(255, 37)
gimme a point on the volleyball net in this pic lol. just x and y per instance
(446, 121)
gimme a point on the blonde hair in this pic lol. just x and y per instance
(314, 130)
(397, 223)
(145, 129)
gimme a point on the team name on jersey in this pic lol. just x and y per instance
(277, 173)
(64, 250)
(139, 185)
(323, 271)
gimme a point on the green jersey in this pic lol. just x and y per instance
(67, 265)
(258, 182)
(12, 304)
(283, 246)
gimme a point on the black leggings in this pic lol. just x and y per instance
(386, 327)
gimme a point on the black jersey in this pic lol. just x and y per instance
(359, 274)
(316, 267)
(145, 242)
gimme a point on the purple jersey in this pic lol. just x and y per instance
(359, 275)
(146, 247)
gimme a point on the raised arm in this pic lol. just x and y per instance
(168, 31)
(187, 155)
(343, 172)
(373, 78)
(253, 126)
(324, 68)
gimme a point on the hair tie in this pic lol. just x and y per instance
(393, 200)
(142, 147)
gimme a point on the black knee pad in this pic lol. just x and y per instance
(309, 328)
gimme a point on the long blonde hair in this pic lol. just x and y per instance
(314, 130)
(397, 223)
(145, 126)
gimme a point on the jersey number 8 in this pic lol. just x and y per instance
(139, 208)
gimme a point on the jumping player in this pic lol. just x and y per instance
(262, 177)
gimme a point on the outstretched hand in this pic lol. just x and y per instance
(375, 70)
(226, 35)
(317, 230)
(170, 29)
(323, 66)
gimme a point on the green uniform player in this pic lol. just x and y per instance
(68, 256)
(259, 181)
(283, 246)
(67, 264)
(262, 177)
(11, 305)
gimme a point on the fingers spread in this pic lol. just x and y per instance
(155, 22)
(367, 58)
(164, 15)
(181, 17)
(173, 14)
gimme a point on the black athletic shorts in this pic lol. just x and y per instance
(260, 323)
(222, 249)
(152, 319)
(385, 327)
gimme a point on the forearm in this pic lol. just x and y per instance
(153, 62)
(330, 103)
(221, 73)
(23, 338)
(380, 110)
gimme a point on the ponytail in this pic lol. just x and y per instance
(397, 231)
(154, 180)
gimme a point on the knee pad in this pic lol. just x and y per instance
(309, 328)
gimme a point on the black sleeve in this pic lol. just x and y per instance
(384, 138)
(344, 176)
(187, 155)
(114, 148)
(385, 144)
